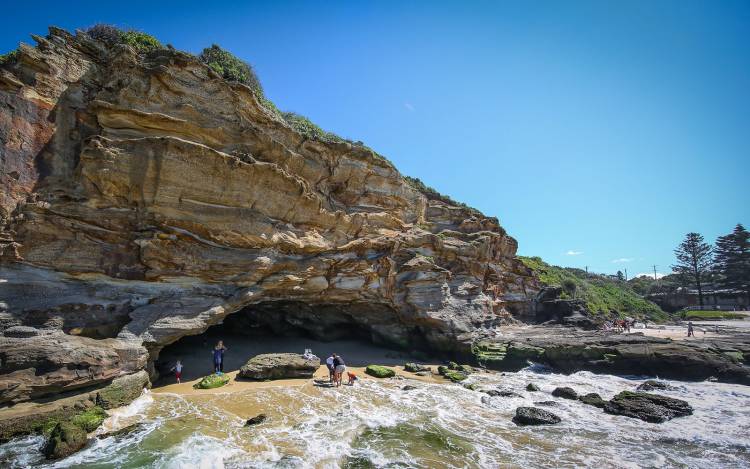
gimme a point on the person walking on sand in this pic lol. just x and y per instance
(691, 333)
(218, 353)
(177, 368)
(339, 367)
(329, 365)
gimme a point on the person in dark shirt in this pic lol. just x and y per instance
(339, 367)
(218, 353)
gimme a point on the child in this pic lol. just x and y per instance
(352, 378)
(177, 370)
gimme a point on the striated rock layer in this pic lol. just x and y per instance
(144, 198)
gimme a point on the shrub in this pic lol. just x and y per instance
(230, 67)
(601, 294)
(105, 33)
(10, 57)
(432, 194)
(307, 128)
(141, 42)
(111, 35)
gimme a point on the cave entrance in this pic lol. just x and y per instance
(362, 334)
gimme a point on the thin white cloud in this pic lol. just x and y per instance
(409, 106)
(573, 253)
(649, 274)
(622, 260)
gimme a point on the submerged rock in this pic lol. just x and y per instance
(258, 419)
(593, 399)
(408, 387)
(379, 371)
(279, 366)
(547, 403)
(532, 387)
(649, 407)
(652, 385)
(565, 393)
(500, 393)
(66, 438)
(534, 416)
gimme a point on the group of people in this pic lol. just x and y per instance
(335, 364)
(336, 369)
(620, 325)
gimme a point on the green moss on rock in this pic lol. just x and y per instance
(212, 381)
(379, 371)
(454, 375)
(90, 419)
(64, 440)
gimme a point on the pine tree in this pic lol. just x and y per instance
(694, 261)
(732, 262)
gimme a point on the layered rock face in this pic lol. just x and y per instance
(144, 198)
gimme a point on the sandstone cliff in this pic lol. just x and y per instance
(145, 198)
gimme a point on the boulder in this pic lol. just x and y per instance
(123, 390)
(532, 387)
(470, 386)
(380, 371)
(258, 419)
(565, 393)
(279, 366)
(122, 431)
(416, 368)
(212, 381)
(652, 385)
(90, 419)
(66, 438)
(649, 407)
(593, 399)
(534, 416)
(454, 376)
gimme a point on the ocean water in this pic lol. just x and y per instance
(376, 424)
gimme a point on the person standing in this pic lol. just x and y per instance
(177, 368)
(329, 365)
(218, 353)
(691, 333)
(339, 367)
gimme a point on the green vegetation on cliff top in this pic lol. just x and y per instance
(601, 294)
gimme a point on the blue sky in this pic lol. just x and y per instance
(599, 133)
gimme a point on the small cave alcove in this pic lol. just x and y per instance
(362, 333)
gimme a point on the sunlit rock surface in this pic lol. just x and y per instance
(144, 198)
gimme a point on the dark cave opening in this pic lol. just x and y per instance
(362, 333)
